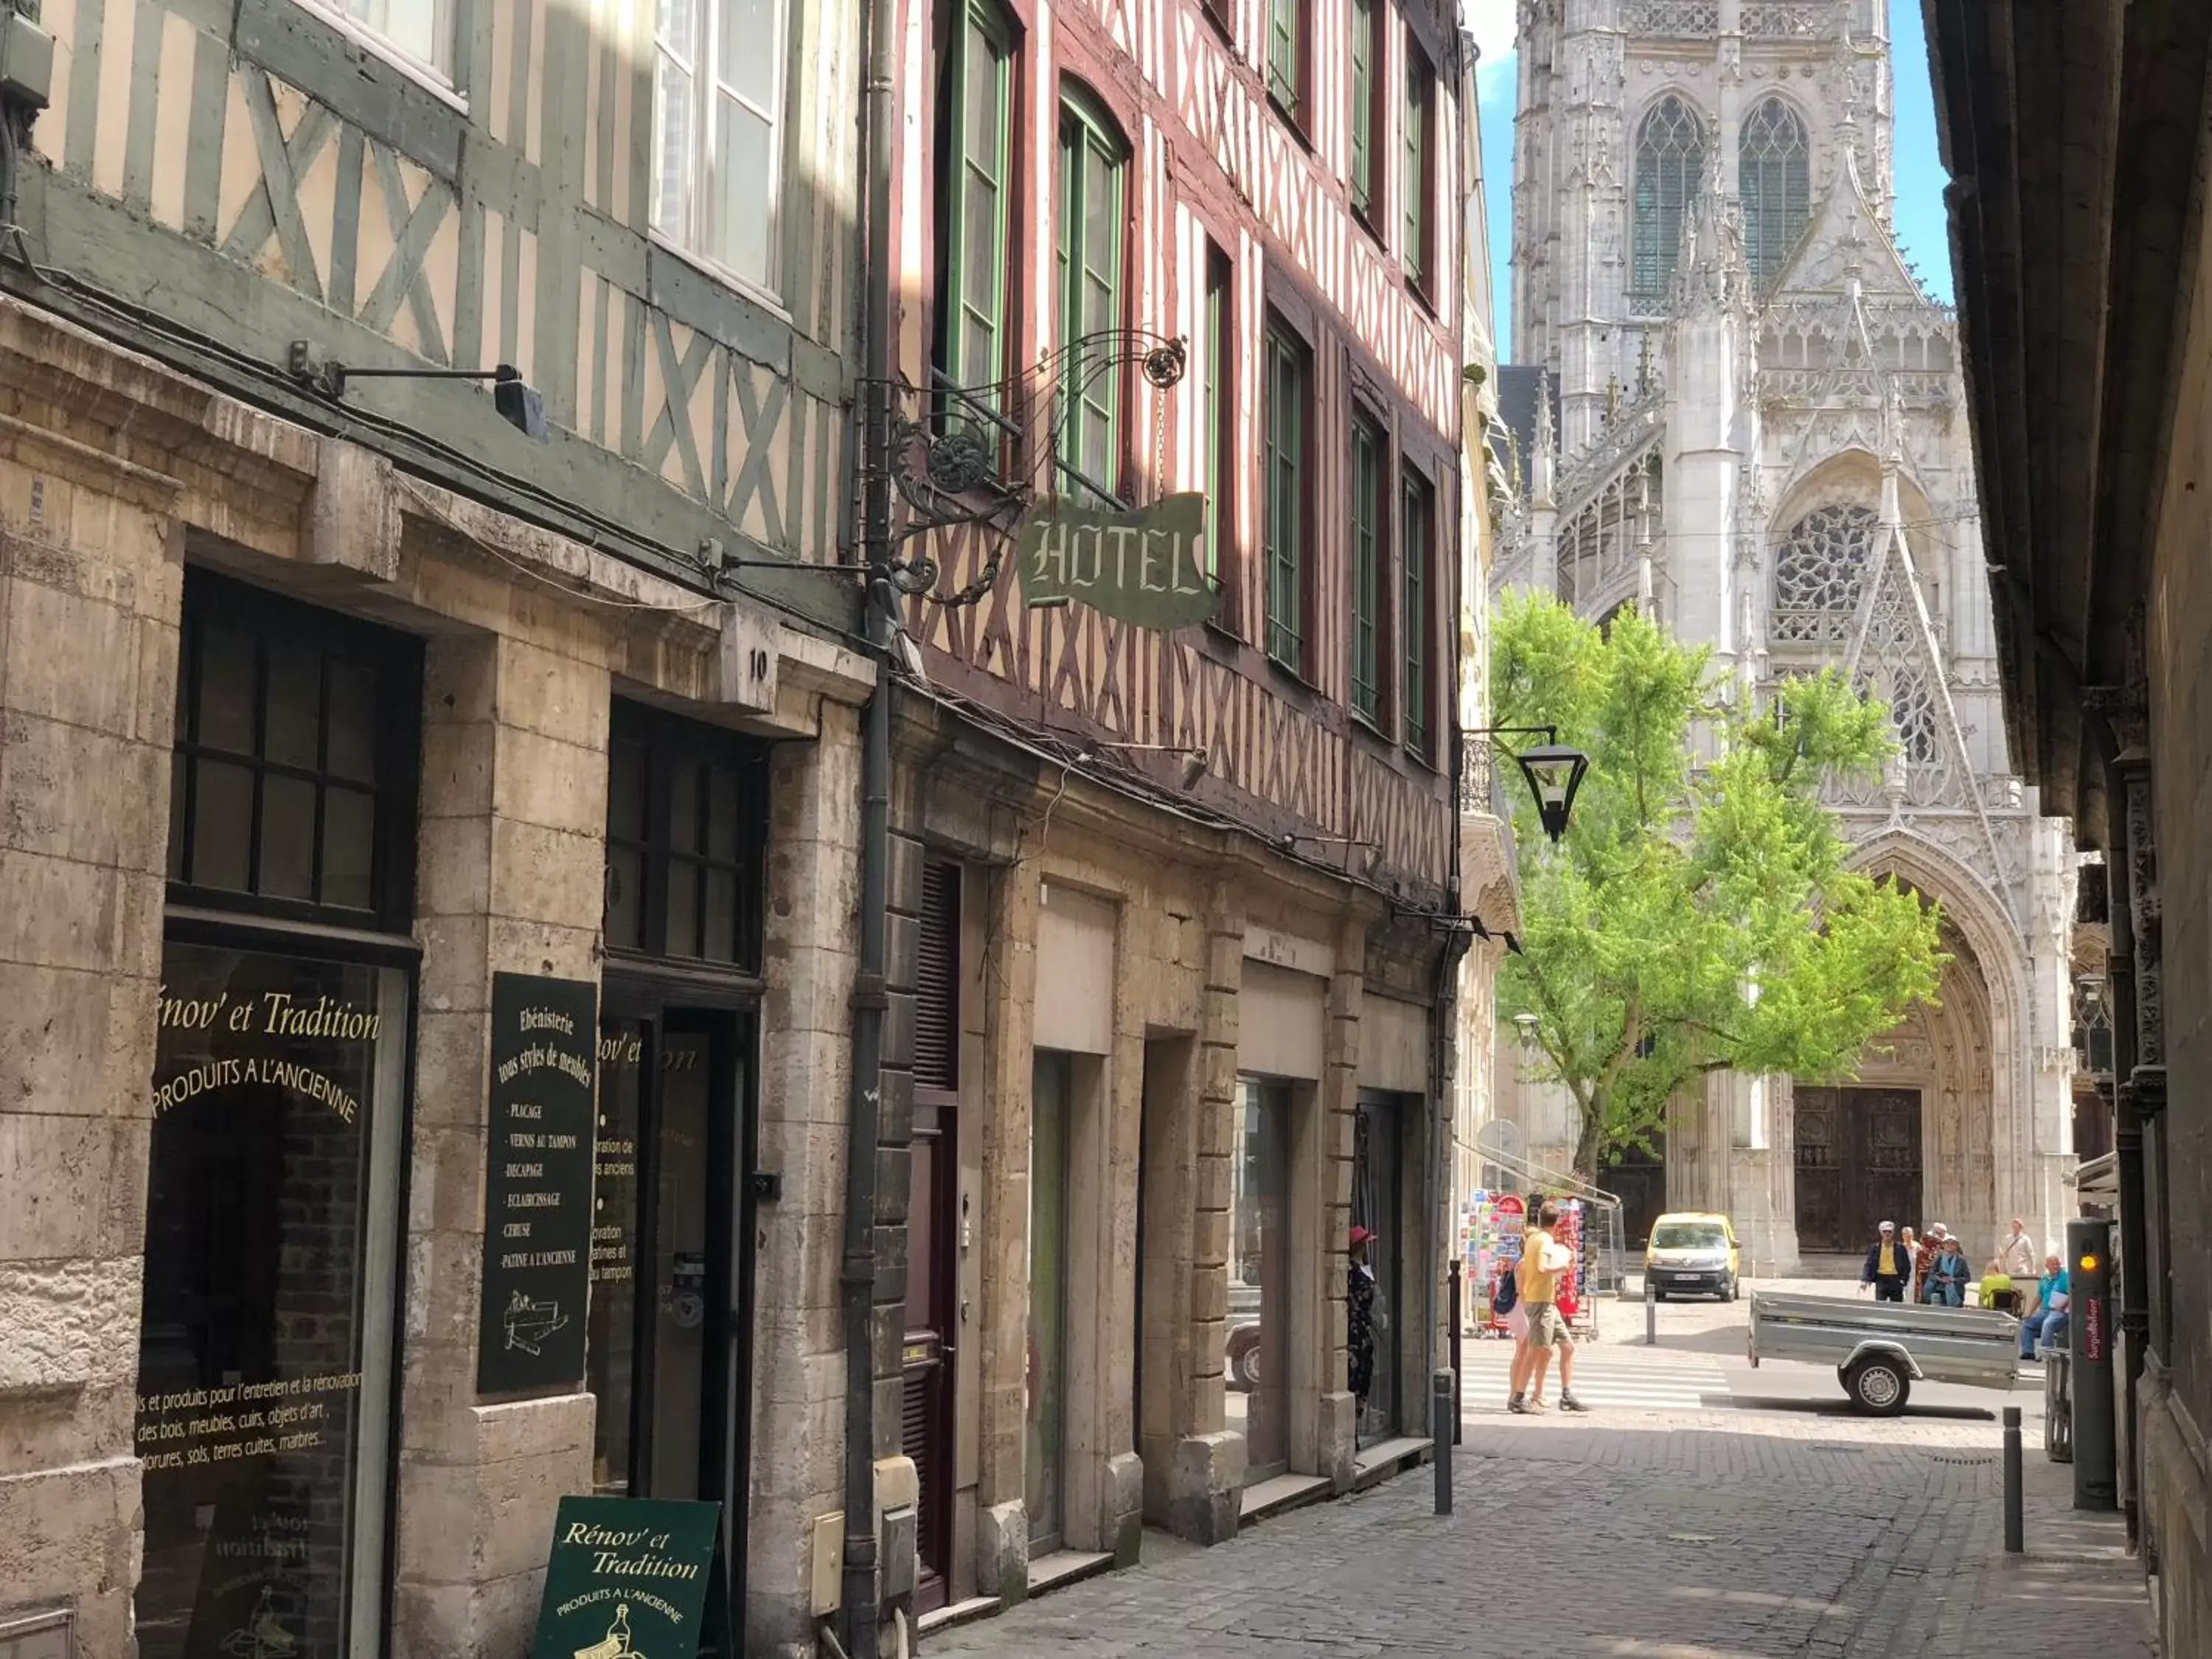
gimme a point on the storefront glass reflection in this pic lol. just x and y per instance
(1256, 1361)
(265, 1349)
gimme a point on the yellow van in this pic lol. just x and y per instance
(1692, 1254)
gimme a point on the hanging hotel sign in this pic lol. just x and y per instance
(633, 1578)
(1144, 565)
(537, 1184)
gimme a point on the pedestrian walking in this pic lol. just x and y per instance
(2015, 1256)
(1888, 1265)
(2046, 1320)
(1909, 1242)
(1545, 1264)
(1359, 1325)
(1946, 1286)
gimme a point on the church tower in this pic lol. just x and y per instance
(1740, 411)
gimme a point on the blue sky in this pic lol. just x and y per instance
(1921, 228)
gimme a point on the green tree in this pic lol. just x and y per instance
(1697, 915)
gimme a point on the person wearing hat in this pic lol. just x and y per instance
(1359, 1324)
(1887, 1266)
(1924, 1265)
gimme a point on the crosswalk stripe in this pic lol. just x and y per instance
(1605, 1378)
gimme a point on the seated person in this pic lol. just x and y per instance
(1946, 1277)
(2046, 1321)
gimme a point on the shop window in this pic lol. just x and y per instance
(292, 779)
(1260, 1275)
(687, 829)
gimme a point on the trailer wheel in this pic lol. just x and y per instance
(1878, 1386)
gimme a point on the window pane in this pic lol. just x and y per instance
(626, 792)
(1670, 160)
(721, 916)
(625, 922)
(294, 731)
(1416, 517)
(672, 154)
(1415, 184)
(1366, 571)
(226, 690)
(349, 848)
(744, 190)
(1285, 465)
(222, 825)
(1363, 103)
(421, 28)
(177, 769)
(682, 908)
(1219, 433)
(751, 50)
(683, 805)
(288, 838)
(353, 721)
(721, 812)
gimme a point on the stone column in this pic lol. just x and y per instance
(1323, 1425)
(1204, 1481)
(512, 866)
(1002, 1527)
(90, 586)
(798, 1469)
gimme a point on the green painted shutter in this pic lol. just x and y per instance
(1366, 571)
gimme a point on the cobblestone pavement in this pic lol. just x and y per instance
(1758, 1528)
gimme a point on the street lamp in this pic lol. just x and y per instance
(1553, 770)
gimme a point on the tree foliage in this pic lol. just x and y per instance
(1697, 915)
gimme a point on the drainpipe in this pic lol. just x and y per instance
(865, 1111)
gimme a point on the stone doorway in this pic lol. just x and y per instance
(1858, 1163)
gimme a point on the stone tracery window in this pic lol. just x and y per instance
(1670, 160)
(1774, 178)
(1819, 572)
(1912, 712)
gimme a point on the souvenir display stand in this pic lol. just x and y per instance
(1491, 1228)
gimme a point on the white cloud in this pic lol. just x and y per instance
(1491, 23)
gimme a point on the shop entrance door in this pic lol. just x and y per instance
(669, 1351)
(1378, 1176)
(1858, 1163)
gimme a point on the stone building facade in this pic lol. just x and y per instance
(1739, 409)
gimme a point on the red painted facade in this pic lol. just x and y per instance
(1215, 165)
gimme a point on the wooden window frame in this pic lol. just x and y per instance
(668, 741)
(1417, 188)
(967, 25)
(1087, 128)
(694, 232)
(1218, 405)
(395, 661)
(1367, 171)
(1288, 644)
(1368, 568)
(1286, 59)
(1416, 606)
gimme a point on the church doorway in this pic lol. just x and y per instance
(1858, 1163)
(1637, 1176)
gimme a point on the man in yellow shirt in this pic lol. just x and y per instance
(1888, 1265)
(1544, 1262)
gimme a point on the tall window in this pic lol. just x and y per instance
(687, 833)
(1093, 166)
(1368, 450)
(718, 112)
(1772, 176)
(1417, 186)
(1671, 159)
(1286, 54)
(1417, 539)
(1289, 379)
(1219, 392)
(973, 109)
(1367, 107)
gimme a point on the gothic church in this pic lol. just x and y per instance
(1733, 404)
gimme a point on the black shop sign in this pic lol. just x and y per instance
(633, 1578)
(537, 1184)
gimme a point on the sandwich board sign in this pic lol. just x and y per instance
(633, 1578)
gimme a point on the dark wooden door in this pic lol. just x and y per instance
(1638, 1179)
(1859, 1164)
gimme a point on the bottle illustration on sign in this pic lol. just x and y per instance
(529, 1323)
(262, 1638)
(616, 1646)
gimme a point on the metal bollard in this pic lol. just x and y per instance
(1650, 1312)
(1440, 1436)
(1458, 1369)
(2016, 1528)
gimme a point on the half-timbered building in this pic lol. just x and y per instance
(382, 776)
(1181, 982)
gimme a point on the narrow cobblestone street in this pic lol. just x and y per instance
(1749, 1526)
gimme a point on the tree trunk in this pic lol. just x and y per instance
(1588, 1141)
